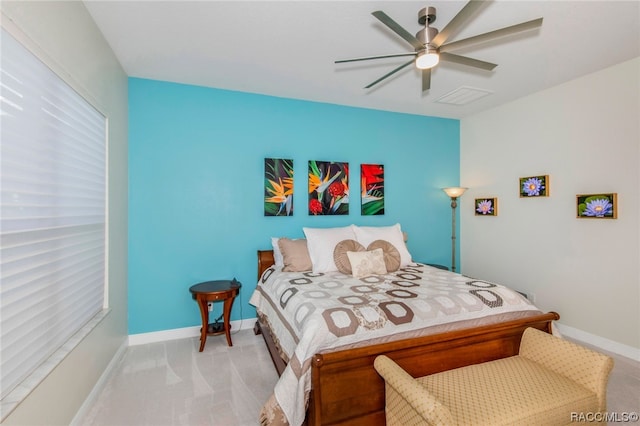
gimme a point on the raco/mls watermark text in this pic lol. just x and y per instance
(612, 417)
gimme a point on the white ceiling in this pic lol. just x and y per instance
(288, 48)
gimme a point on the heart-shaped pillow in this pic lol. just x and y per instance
(340, 254)
(390, 253)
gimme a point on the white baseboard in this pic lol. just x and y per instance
(600, 342)
(182, 333)
(90, 400)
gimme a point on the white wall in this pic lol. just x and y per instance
(584, 134)
(64, 33)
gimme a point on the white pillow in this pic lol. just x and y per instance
(277, 254)
(365, 235)
(321, 242)
(365, 263)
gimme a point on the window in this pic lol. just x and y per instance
(52, 214)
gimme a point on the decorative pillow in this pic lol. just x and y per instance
(390, 253)
(277, 254)
(364, 263)
(321, 242)
(340, 254)
(365, 235)
(295, 255)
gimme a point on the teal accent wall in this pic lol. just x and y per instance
(196, 186)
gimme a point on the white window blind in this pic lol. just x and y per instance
(52, 224)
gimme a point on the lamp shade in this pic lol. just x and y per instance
(454, 192)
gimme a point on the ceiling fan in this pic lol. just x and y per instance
(429, 44)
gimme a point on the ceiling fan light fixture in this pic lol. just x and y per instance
(429, 42)
(427, 59)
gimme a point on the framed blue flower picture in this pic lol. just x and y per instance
(486, 206)
(597, 206)
(534, 186)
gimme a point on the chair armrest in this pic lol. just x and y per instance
(407, 402)
(584, 366)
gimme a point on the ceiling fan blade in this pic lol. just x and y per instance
(389, 74)
(464, 60)
(341, 61)
(396, 28)
(513, 29)
(457, 22)
(426, 79)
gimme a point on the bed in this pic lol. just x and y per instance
(336, 381)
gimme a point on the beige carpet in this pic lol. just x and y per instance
(171, 383)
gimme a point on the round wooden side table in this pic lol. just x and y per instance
(215, 291)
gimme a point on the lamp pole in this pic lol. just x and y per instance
(454, 204)
(453, 193)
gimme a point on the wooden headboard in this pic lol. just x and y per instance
(265, 261)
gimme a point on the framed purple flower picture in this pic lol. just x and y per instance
(534, 186)
(597, 206)
(486, 206)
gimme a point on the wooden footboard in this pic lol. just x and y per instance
(346, 389)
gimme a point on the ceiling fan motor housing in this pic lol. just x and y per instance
(427, 15)
(426, 34)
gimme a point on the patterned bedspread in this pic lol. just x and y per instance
(314, 313)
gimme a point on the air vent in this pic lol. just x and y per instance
(463, 96)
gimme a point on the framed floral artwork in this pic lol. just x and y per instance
(278, 187)
(371, 189)
(328, 188)
(597, 206)
(534, 186)
(486, 206)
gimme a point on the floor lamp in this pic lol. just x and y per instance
(453, 193)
